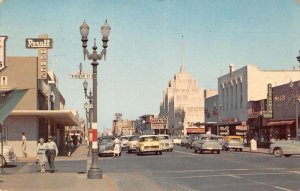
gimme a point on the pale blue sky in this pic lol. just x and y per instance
(145, 43)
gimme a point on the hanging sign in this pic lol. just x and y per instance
(2, 52)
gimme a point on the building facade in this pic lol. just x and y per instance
(122, 127)
(183, 104)
(40, 113)
(239, 87)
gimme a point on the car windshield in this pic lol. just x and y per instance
(124, 138)
(163, 137)
(106, 140)
(209, 138)
(134, 138)
(145, 139)
(235, 139)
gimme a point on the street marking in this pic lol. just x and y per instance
(25, 168)
(185, 187)
(216, 170)
(193, 154)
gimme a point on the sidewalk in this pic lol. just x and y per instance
(57, 181)
(259, 150)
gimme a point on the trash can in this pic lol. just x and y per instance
(253, 145)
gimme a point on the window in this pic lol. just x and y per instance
(3, 81)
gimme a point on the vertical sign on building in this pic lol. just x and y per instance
(43, 43)
(2, 52)
(269, 113)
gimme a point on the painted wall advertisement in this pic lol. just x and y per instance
(2, 52)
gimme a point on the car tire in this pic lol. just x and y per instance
(212, 152)
(195, 150)
(287, 155)
(278, 152)
(129, 151)
(218, 151)
(241, 150)
(171, 150)
(156, 152)
(186, 146)
(160, 152)
(120, 153)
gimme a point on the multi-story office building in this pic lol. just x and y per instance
(183, 104)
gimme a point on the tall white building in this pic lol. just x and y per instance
(183, 104)
(238, 87)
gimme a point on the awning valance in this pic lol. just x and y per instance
(61, 117)
(280, 123)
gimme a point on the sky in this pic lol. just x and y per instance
(144, 48)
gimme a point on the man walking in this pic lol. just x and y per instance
(52, 151)
(24, 140)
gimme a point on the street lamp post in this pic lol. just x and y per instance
(295, 98)
(94, 172)
(89, 111)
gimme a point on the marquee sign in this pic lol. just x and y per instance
(268, 113)
(2, 52)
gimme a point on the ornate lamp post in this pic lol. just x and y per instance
(295, 98)
(94, 172)
(88, 110)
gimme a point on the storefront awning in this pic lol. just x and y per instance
(61, 117)
(195, 130)
(280, 123)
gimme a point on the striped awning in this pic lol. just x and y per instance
(278, 123)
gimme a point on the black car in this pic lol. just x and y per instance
(191, 139)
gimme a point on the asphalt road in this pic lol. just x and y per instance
(183, 170)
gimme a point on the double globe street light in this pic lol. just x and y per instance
(94, 172)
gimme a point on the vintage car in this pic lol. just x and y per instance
(191, 140)
(233, 142)
(184, 141)
(165, 142)
(8, 156)
(176, 140)
(207, 142)
(132, 143)
(124, 141)
(285, 148)
(149, 143)
(106, 145)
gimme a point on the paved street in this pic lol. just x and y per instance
(178, 170)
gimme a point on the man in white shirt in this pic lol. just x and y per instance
(51, 151)
(24, 144)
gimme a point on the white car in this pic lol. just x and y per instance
(8, 156)
(176, 140)
(165, 142)
(124, 141)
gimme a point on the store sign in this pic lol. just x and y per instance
(39, 43)
(2, 52)
(268, 114)
(43, 63)
(81, 75)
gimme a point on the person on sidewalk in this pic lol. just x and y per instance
(69, 144)
(23, 145)
(51, 151)
(41, 154)
(117, 147)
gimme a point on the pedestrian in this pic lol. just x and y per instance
(117, 147)
(75, 140)
(69, 144)
(41, 154)
(24, 140)
(51, 151)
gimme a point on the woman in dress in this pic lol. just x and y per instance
(41, 154)
(117, 147)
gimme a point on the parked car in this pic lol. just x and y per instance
(184, 141)
(285, 148)
(149, 143)
(176, 140)
(8, 156)
(106, 145)
(233, 142)
(207, 142)
(165, 142)
(124, 141)
(191, 139)
(132, 143)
